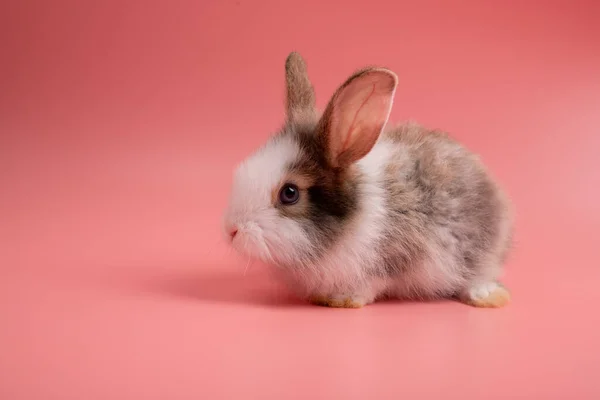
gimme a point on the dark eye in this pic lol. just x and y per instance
(289, 194)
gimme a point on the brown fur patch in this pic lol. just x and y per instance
(329, 196)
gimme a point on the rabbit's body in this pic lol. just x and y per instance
(401, 212)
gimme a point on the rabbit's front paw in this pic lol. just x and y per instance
(338, 301)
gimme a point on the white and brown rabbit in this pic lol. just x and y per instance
(350, 211)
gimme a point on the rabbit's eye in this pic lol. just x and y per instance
(289, 194)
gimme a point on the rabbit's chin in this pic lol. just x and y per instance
(251, 246)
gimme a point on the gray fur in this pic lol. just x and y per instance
(439, 191)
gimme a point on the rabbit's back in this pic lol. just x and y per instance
(446, 211)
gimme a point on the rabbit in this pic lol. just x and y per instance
(350, 210)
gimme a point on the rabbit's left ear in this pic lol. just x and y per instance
(356, 115)
(300, 95)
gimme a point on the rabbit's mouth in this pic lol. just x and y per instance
(249, 241)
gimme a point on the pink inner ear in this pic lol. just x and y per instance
(360, 111)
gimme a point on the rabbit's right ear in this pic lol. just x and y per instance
(300, 96)
(356, 115)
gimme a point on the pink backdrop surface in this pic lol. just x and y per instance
(121, 121)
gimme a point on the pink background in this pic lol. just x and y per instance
(120, 123)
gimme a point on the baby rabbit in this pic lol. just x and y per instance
(351, 210)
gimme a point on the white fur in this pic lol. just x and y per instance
(262, 233)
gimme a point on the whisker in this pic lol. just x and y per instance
(247, 265)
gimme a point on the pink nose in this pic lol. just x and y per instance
(233, 232)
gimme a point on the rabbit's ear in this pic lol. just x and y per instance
(300, 95)
(356, 115)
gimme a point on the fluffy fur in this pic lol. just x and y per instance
(400, 212)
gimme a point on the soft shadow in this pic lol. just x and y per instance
(256, 289)
(211, 284)
(225, 287)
